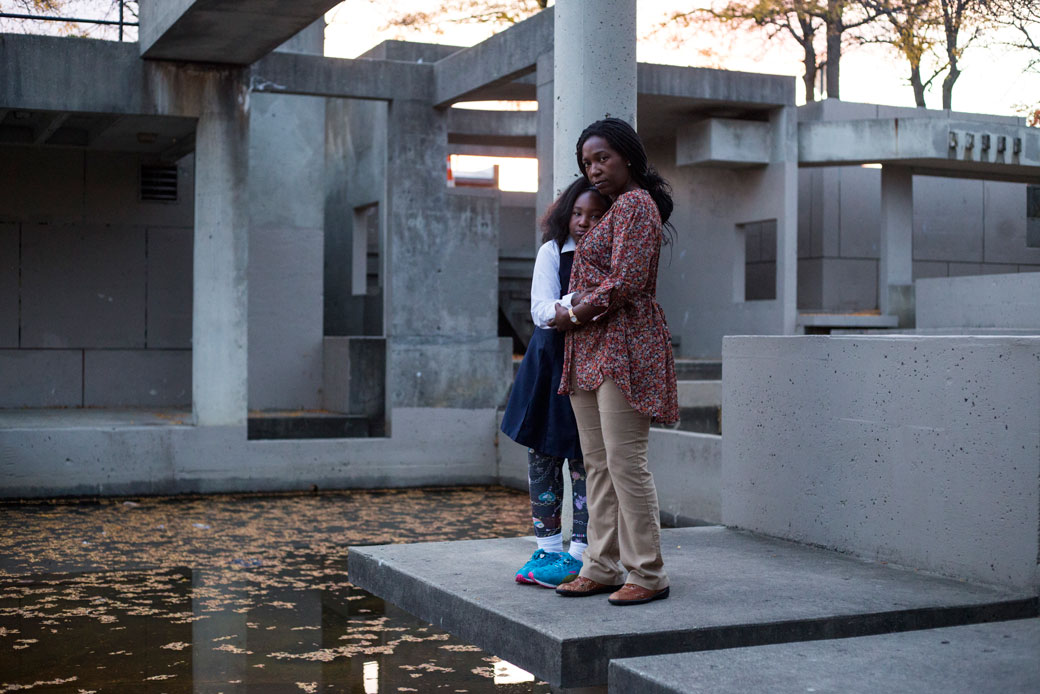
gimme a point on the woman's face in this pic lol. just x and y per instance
(605, 168)
(588, 209)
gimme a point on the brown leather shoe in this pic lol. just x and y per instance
(631, 594)
(582, 587)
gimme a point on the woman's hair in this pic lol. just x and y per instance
(623, 139)
(556, 224)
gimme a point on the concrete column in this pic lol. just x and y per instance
(219, 315)
(784, 122)
(895, 271)
(594, 73)
(441, 292)
(544, 138)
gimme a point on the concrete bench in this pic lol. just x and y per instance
(998, 657)
(729, 589)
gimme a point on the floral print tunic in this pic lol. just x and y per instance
(630, 342)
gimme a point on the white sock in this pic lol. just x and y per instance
(553, 543)
(577, 549)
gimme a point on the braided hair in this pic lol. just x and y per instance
(623, 139)
(556, 224)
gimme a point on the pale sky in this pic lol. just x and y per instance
(992, 79)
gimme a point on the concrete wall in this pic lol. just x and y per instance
(920, 451)
(701, 276)
(991, 301)
(96, 283)
(431, 446)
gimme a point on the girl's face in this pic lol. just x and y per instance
(605, 168)
(588, 209)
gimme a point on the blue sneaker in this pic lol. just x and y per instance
(563, 570)
(539, 558)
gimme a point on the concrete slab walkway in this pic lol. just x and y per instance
(729, 589)
(999, 657)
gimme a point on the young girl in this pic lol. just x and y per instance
(536, 416)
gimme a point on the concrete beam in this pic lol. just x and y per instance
(937, 146)
(47, 129)
(724, 143)
(217, 31)
(717, 86)
(504, 128)
(359, 78)
(499, 60)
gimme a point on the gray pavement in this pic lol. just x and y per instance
(729, 589)
(998, 657)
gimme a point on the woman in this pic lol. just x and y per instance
(618, 366)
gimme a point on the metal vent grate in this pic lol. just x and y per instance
(159, 183)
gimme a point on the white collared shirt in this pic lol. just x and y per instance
(545, 284)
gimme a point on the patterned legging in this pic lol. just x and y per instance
(545, 479)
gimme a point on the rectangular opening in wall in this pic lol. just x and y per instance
(1033, 216)
(367, 266)
(158, 183)
(759, 266)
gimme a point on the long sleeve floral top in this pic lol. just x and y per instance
(630, 342)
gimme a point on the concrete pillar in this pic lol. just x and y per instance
(784, 123)
(594, 42)
(895, 271)
(544, 139)
(219, 315)
(441, 293)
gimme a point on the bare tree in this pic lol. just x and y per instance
(963, 21)
(909, 27)
(1022, 17)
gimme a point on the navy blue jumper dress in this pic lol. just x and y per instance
(536, 415)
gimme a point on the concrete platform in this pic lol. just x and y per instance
(999, 657)
(729, 589)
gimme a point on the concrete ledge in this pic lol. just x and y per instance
(847, 320)
(999, 657)
(729, 589)
(1004, 302)
(700, 393)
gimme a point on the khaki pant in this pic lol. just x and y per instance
(624, 517)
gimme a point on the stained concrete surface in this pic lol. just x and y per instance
(998, 657)
(728, 589)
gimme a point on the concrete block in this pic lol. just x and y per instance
(468, 374)
(989, 301)
(10, 258)
(83, 286)
(971, 269)
(926, 268)
(724, 143)
(1006, 224)
(728, 589)
(355, 375)
(687, 469)
(285, 318)
(973, 658)
(137, 378)
(810, 283)
(849, 284)
(41, 185)
(700, 393)
(921, 451)
(860, 210)
(41, 378)
(948, 219)
(170, 268)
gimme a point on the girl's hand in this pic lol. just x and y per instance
(562, 320)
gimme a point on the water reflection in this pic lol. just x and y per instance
(234, 594)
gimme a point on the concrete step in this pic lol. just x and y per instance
(698, 369)
(700, 420)
(700, 393)
(998, 657)
(311, 425)
(728, 589)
